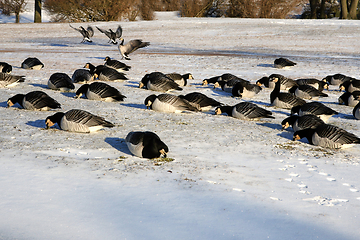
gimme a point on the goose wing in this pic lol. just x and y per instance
(7, 79)
(251, 110)
(40, 100)
(103, 90)
(86, 118)
(336, 134)
(177, 102)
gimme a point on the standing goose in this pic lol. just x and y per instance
(32, 64)
(350, 85)
(314, 108)
(336, 79)
(284, 100)
(130, 47)
(158, 81)
(7, 80)
(111, 34)
(356, 111)
(100, 91)
(301, 122)
(104, 73)
(350, 99)
(61, 82)
(146, 145)
(201, 101)
(245, 111)
(307, 92)
(36, 100)
(77, 120)
(181, 80)
(82, 76)
(283, 63)
(168, 103)
(86, 33)
(327, 136)
(119, 66)
(285, 83)
(319, 85)
(245, 90)
(5, 67)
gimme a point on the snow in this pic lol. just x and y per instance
(231, 179)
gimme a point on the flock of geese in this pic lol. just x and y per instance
(307, 118)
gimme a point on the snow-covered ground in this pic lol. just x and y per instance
(230, 179)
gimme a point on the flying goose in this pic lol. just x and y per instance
(100, 91)
(36, 100)
(146, 145)
(86, 33)
(60, 81)
(76, 120)
(111, 34)
(131, 46)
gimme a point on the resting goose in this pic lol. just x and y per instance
(245, 90)
(77, 120)
(32, 63)
(282, 99)
(82, 76)
(225, 77)
(285, 83)
(7, 80)
(111, 34)
(100, 91)
(283, 63)
(36, 100)
(307, 92)
(5, 67)
(245, 111)
(168, 103)
(119, 66)
(327, 136)
(336, 79)
(86, 33)
(158, 81)
(314, 108)
(350, 85)
(146, 145)
(356, 111)
(130, 47)
(201, 101)
(301, 122)
(319, 85)
(350, 99)
(61, 82)
(104, 73)
(181, 80)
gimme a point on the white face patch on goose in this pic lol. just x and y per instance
(10, 103)
(218, 111)
(49, 123)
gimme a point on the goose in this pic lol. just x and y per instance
(32, 63)
(245, 90)
(201, 101)
(86, 33)
(77, 120)
(111, 34)
(5, 67)
(60, 81)
(327, 136)
(314, 108)
(146, 145)
(169, 103)
(285, 83)
(181, 80)
(282, 99)
(336, 79)
(356, 111)
(319, 85)
(7, 80)
(36, 100)
(104, 73)
(119, 66)
(350, 85)
(100, 91)
(301, 122)
(350, 99)
(82, 76)
(244, 111)
(307, 92)
(130, 47)
(283, 63)
(158, 81)
(225, 77)
(227, 86)
(266, 82)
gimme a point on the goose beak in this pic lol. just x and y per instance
(141, 85)
(163, 153)
(259, 84)
(217, 111)
(296, 137)
(285, 126)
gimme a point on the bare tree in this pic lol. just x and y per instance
(13, 6)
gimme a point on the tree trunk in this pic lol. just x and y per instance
(37, 16)
(322, 9)
(353, 7)
(313, 5)
(17, 17)
(344, 9)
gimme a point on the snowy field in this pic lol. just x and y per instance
(230, 179)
